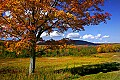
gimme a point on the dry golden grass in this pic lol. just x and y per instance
(20, 67)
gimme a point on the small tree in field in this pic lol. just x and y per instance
(26, 20)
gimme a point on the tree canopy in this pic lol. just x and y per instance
(26, 20)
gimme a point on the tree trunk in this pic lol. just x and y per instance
(32, 60)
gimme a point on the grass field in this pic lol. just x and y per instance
(17, 68)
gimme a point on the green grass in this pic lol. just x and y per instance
(115, 75)
(17, 68)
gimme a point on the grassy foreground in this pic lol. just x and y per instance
(17, 68)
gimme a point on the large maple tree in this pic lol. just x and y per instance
(26, 20)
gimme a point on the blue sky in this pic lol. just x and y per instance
(102, 33)
(109, 32)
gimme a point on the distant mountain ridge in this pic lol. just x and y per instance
(81, 42)
(69, 41)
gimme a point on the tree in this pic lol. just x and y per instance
(26, 20)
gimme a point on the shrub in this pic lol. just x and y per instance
(24, 54)
(108, 48)
(86, 51)
(116, 48)
(7, 54)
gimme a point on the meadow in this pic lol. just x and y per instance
(17, 68)
(68, 62)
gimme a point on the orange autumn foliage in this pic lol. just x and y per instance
(26, 20)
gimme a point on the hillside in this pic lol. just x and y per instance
(68, 41)
(81, 42)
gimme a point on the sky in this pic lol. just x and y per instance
(102, 33)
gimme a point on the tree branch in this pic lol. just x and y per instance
(41, 31)
(6, 20)
(11, 34)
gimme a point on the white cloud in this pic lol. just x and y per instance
(73, 35)
(106, 36)
(7, 13)
(44, 34)
(80, 37)
(56, 34)
(102, 42)
(52, 34)
(98, 36)
(88, 36)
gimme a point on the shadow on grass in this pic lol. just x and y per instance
(92, 69)
(82, 70)
(10, 70)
